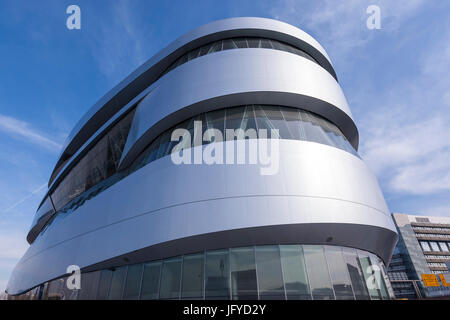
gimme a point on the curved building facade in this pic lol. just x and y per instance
(141, 225)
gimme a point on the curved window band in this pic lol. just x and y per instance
(292, 124)
(269, 272)
(237, 43)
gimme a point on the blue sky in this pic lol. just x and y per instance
(395, 79)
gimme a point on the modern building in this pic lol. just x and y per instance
(423, 248)
(142, 226)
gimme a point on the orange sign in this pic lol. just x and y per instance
(430, 280)
(445, 279)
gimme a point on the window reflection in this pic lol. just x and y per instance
(133, 282)
(150, 281)
(339, 273)
(356, 274)
(319, 277)
(377, 271)
(192, 285)
(117, 283)
(105, 282)
(217, 275)
(270, 278)
(294, 273)
(243, 274)
(170, 279)
(369, 275)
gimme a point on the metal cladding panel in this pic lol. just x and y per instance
(315, 185)
(238, 77)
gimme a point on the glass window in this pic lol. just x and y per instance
(217, 46)
(105, 283)
(133, 282)
(385, 278)
(434, 246)
(192, 286)
(253, 42)
(99, 163)
(294, 272)
(248, 122)
(319, 277)
(229, 44)
(241, 42)
(170, 279)
(425, 246)
(276, 44)
(312, 128)
(217, 275)
(150, 281)
(163, 144)
(56, 289)
(377, 270)
(243, 274)
(216, 120)
(369, 276)
(291, 123)
(292, 118)
(89, 285)
(356, 274)
(270, 278)
(117, 283)
(193, 54)
(265, 43)
(234, 117)
(204, 50)
(339, 273)
(273, 114)
(262, 122)
(443, 247)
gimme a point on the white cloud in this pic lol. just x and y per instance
(407, 141)
(440, 210)
(21, 129)
(425, 176)
(117, 45)
(392, 141)
(341, 25)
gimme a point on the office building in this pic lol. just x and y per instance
(423, 248)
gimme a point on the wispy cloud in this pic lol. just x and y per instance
(341, 25)
(32, 193)
(118, 44)
(21, 129)
(408, 139)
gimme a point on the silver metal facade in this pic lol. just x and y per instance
(320, 195)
